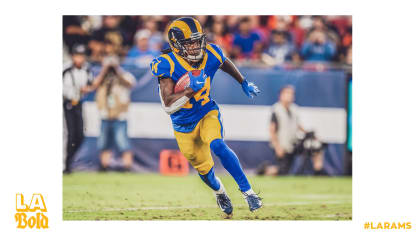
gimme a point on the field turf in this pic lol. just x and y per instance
(128, 196)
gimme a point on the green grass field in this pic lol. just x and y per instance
(128, 196)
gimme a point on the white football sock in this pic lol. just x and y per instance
(221, 189)
(249, 192)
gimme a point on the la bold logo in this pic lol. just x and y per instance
(31, 215)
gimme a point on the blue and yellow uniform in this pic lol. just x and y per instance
(198, 122)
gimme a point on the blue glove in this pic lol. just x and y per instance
(250, 89)
(197, 82)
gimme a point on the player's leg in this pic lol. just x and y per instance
(205, 166)
(210, 180)
(231, 163)
(199, 156)
(212, 132)
(189, 147)
(203, 154)
(193, 149)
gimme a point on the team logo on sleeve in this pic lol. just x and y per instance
(155, 64)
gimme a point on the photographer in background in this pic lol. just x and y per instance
(76, 80)
(113, 86)
(288, 138)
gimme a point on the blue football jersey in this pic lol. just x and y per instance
(173, 66)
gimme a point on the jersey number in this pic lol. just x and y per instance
(201, 94)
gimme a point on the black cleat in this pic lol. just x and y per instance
(253, 200)
(224, 203)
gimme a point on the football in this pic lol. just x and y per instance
(184, 81)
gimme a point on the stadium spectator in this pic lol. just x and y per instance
(113, 86)
(92, 23)
(76, 80)
(259, 29)
(263, 28)
(232, 23)
(346, 39)
(219, 36)
(222, 19)
(279, 49)
(141, 54)
(318, 48)
(129, 25)
(328, 38)
(205, 20)
(73, 33)
(280, 23)
(349, 56)
(319, 23)
(156, 37)
(297, 32)
(246, 43)
(285, 132)
(110, 33)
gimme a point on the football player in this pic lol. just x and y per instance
(195, 116)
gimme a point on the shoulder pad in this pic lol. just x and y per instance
(217, 52)
(161, 67)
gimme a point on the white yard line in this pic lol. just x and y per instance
(314, 196)
(202, 206)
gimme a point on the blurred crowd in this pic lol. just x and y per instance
(249, 40)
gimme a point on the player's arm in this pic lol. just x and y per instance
(232, 70)
(172, 102)
(249, 88)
